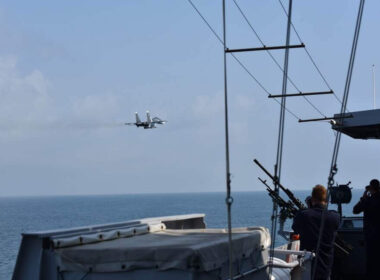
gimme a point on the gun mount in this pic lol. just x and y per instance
(288, 209)
(291, 196)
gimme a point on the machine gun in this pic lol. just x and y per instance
(287, 208)
(291, 196)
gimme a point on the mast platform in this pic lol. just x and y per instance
(362, 124)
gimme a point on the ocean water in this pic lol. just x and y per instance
(25, 214)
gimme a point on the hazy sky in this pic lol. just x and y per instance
(71, 72)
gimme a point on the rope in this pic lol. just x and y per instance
(205, 21)
(238, 60)
(309, 55)
(253, 77)
(275, 60)
(262, 43)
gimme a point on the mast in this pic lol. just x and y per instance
(229, 199)
(280, 141)
(278, 164)
(333, 167)
(374, 86)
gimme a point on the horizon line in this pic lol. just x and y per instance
(130, 193)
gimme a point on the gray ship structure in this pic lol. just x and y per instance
(176, 247)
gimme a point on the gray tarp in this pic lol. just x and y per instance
(201, 250)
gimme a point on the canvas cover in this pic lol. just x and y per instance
(199, 250)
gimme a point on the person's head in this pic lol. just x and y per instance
(319, 195)
(374, 186)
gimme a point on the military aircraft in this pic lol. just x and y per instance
(150, 123)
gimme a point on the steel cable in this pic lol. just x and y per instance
(275, 60)
(309, 55)
(280, 141)
(238, 60)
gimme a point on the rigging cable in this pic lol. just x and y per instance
(229, 199)
(275, 60)
(333, 168)
(278, 165)
(309, 55)
(238, 60)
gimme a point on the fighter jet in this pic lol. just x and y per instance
(150, 123)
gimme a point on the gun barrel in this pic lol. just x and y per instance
(295, 200)
(264, 169)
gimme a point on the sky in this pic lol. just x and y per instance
(71, 72)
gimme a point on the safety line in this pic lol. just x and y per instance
(274, 59)
(238, 60)
(309, 55)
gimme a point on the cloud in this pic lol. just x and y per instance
(96, 107)
(212, 105)
(26, 104)
(208, 105)
(244, 102)
(24, 97)
(207, 108)
(239, 132)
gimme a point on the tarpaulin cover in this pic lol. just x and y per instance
(200, 250)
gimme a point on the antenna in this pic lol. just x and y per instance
(374, 86)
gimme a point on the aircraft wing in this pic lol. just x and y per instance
(129, 123)
(158, 120)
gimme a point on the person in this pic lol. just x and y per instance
(308, 201)
(369, 203)
(307, 224)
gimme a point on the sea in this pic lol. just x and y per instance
(28, 214)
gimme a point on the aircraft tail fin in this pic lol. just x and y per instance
(137, 118)
(148, 118)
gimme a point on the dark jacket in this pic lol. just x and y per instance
(371, 208)
(307, 224)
